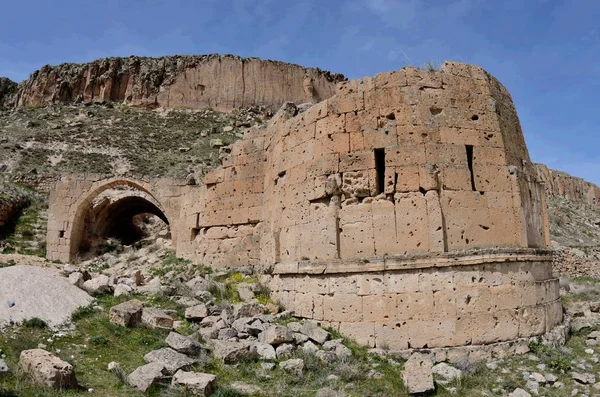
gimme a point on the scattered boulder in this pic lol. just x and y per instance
(417, 374)
(98, 285)
(46, 369)
(447, 372)
(310, 347)
(246, 291)
(314, 332)
(295, 365)
(267, 366)
(184, 344)
(76, 278)
(276, 335)
(198, 285)
(152, 287)
(122, 290)
(170, 359)
(584, 378)
(146, 376)
(196, 313)
(247, 310)
(519, 393)
(232, 352)
(265, 351)
(227, 333)
(157, 318)
(127, 314)
(326, 356)
(285, 350)
(199, 384)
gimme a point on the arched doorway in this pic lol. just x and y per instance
(119, 210)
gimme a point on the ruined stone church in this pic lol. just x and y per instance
(401, 209)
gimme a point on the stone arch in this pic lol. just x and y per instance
(147, 201)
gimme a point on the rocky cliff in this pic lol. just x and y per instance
(7, 90)
(564, 185)
(223, 82)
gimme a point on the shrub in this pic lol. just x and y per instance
(34, 323)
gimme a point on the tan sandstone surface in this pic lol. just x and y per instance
(223, 82)
(564, 185)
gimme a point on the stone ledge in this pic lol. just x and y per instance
(554, 338)
(390, 263)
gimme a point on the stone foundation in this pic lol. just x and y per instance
(445, 300)
(558, 336)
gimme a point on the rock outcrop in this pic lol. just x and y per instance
(12, 201)
(223, 82)
(7, 90)
(564, 185)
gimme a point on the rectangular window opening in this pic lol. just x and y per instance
(380, 169)
(470, 163)
(61, 233)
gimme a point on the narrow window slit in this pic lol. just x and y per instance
(470, 164)
(380, 169)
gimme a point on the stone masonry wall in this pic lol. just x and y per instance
(403, 210)
(406, 162)
(447, 300)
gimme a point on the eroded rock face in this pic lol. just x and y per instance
(223, 82)
(564, 185)
(7, 89)
(44, 368)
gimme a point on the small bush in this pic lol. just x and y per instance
(98, 340)
(34, 323)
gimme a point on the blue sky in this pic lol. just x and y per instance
(546, 52)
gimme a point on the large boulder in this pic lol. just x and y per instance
(98, 285)
(171, 359)
(46, 369)
(197, 383)
(146, 376)
(232, 352)
(276, 335)
(247, 310)
(157, 318)
(315, 332)
(196, 313)
(38, 292)
(127, 314)
(184, 344)
(417, 374)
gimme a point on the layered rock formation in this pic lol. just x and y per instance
(564, 185)
(7, 90)
(221, 82)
